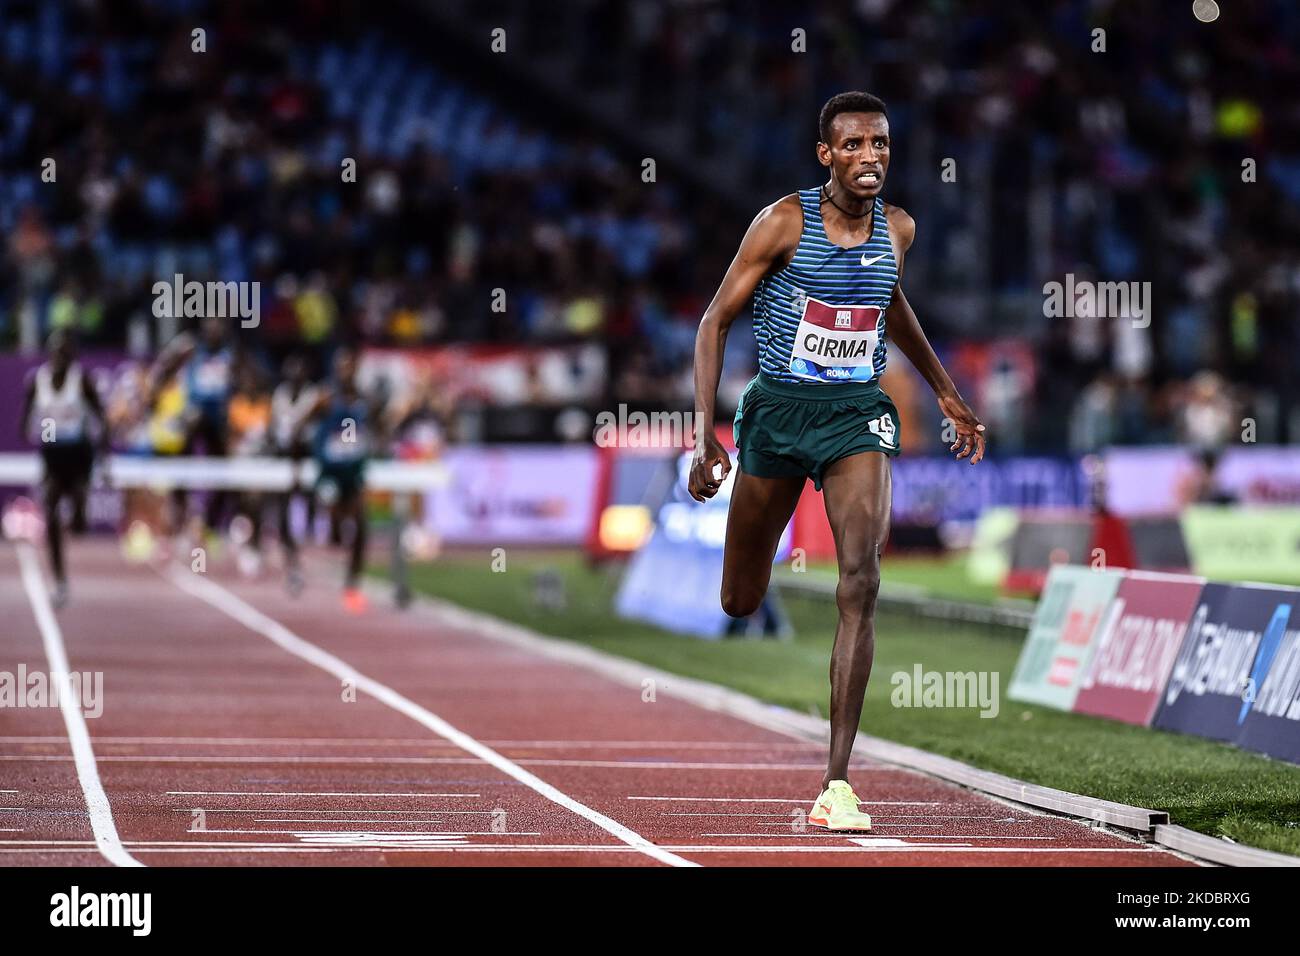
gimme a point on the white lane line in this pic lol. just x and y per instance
(303, 793)
(97, 805)
(875, 825)
(359, 759)
(280, 635)
(683, 765)
(731, 799)
(239, 741)
(80, 846)
(713, 848)
(804, 799)
(355, 821)
(277, 848)
(815, 833)
(747, 816)
(382, 840)
(335, 810)
(812, 833)
(219, 758)
(423, 834)
(424, 742)
(432, 833)
(969, 836)
(254, 846)
(879, 819)
(887, 843)
(819, 834)
(432, 847)
(658, 744)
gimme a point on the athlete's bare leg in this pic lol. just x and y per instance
(857, 494)
(178, 511)
(288, 543)
(78, 493)
(352, 510)
(759, 511)
(54, 492)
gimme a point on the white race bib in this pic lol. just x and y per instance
(836, 343)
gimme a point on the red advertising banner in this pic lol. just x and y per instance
(495, 374)
(1136, 651)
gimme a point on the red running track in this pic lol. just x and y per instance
(242, 727)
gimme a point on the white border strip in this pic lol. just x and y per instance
(277, 633)
(101, 813)
(1219, 851)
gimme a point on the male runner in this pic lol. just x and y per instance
(248, 434)
(56, 409)
(823, 268)
(205, 366)
(347, 431)
(293, 400)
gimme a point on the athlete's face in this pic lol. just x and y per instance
(858, 153)
(61, 355)
(345, 368)
(213, 330)
(295, 370)
(248, 381)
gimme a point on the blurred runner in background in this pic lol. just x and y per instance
(293, 400)
(205, 369)
(249, 434)
(57, 408)
(348, 426)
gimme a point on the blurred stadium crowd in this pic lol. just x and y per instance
(481, 171)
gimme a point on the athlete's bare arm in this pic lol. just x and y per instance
(769, 243)
(175, 354)
(324, 396)
(91, 395)
(380, 409)
(96, 406)
(29, 400)
(905, 331)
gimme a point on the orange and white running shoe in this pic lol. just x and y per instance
(354, 601)
(837, 809)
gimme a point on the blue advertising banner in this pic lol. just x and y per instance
(1270, 714)
(1230, 647)
(929, 488)
(675, 578)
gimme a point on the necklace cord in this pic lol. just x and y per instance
(854, 215)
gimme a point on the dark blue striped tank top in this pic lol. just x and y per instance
(821, 319)
(343, 436)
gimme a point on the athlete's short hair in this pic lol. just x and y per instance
(851, 102)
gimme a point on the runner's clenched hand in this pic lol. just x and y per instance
(703, 484)
(970, 433)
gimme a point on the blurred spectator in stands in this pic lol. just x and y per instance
(1208, 418)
